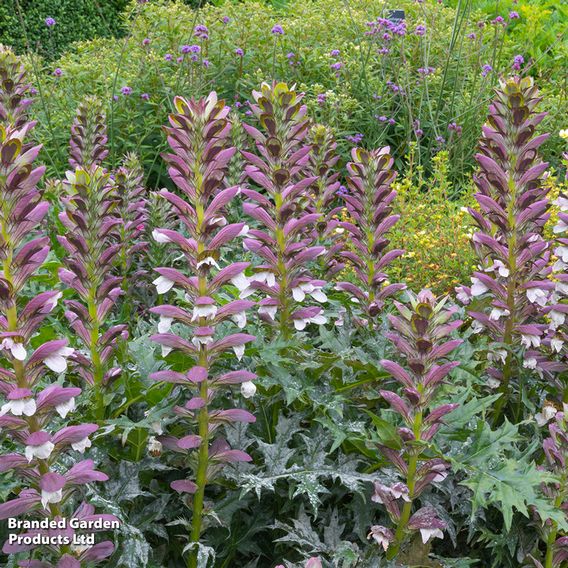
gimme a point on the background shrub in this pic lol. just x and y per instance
(22, 23)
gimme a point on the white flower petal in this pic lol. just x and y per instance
(164, 324)
(51, 497)
(82, 445)
(159, 237)
(248, 389)
(239, 351)
(163, 284)
(65, 408)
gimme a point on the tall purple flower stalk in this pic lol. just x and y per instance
(285, 241)
(88, 141)
(235, 172)
(557, 311)
(199, 138)
(369, 203)
(321, 164)
(14, 101)
(421, 338)
(512, 285)
(31, 401)
(132, 210)
(90, 242)
(556, 462)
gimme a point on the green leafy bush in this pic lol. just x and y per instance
(426, 87)
(23, 25)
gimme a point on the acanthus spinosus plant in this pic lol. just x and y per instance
(512, 286)
(91, 245)
(14, 89)
(313, 562)
(198, 136)
(369, 203)
(285, 240)
(421, 332)
(556, 462)
(321, 164)
(88, 140)
(28, 415)
(132, 210)
(557, 311)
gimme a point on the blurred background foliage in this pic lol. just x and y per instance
(424, 93)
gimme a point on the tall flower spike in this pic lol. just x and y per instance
(512, 285)
(235, 175)
(421, 338)
(321, 164)
(91, 245)
(132, 209)
(159, 215)
(556, 491)
(88, 142)
(14, 102)
(369, 204)
(557, 311)
(198, 136)
(286, 238)
(30, 402)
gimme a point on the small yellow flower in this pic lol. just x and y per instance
(563, 134)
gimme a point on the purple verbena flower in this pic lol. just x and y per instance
(201, 32)
(454, 127)
(420, 30)
(277, 30)
(518, 61)
(355, 138)
(50, 22)
(126, 91)
(486, 69)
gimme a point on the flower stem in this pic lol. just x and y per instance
(98, 373)
(201, 477)
(551, 540)
(393, 550)
(510, 323)
(203, 419)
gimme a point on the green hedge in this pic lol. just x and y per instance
(76, 20)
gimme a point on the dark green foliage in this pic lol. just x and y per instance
(22, 23)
